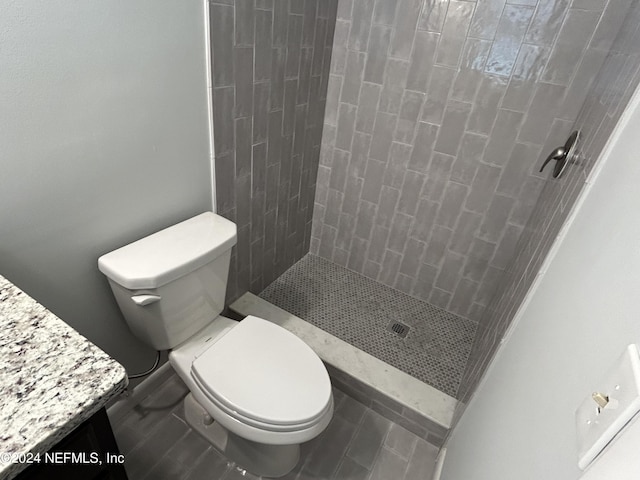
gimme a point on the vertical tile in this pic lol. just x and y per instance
(511, 30)
(409, 111)
(404, 29)
(453, 125)
(243, 66)
(346, 125)
(463, 296)
(574, 35)
(225, 182)
(344, 9)
(546, 22)
(437, 245)
(223, 112)
(527, 69)
(425, 219)
(289, 108)
(483, 188)
(454, 197)
(353, 78)
(465, 231)
(546, 102)
(422, 60)
(503, 137)
(276, 98)
(260, 111)
(439, 173)
(357, 255)
(410, 192)
(360, 26)
(486, 18)
(384, 12)
(377, 54)
(395, 79)
(609, 25)
(262, 64)
(400, 227)
(304, 82)
(485, 107)
(243, 145)
(222, 21)
(244, 23)
(496, 218)
(365, 220)
(447, 279)
(437, 94)
(390, 266)
(382, 136)
(507, 247)
(523, 159)
(454, 33)
(294, 43)
(471, 71)
(478, 260)
(421, 153)
(411, 258)
(368, 104)
(373, 180)
(309, 22)
(280, 18)
(432, 15)
(471, 152)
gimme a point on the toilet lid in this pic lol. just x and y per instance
(264, 373)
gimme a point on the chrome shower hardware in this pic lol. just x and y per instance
(563, 155)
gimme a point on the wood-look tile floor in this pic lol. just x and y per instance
(358, 444)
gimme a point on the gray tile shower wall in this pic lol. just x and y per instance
(270, 69)
(438, 113)
(609, 94)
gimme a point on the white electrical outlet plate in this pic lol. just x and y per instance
(596, 426)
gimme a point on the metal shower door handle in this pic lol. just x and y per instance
(563, 155)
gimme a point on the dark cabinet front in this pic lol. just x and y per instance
(88, 452)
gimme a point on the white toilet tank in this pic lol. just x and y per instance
(172, 283)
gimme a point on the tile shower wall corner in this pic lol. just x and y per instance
(270, 70)
(437, 115)
(614, 45)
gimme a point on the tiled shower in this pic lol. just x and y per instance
(400, 141)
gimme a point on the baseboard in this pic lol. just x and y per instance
(125, 402)
(439, 464)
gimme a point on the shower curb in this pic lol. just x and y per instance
(412, 404)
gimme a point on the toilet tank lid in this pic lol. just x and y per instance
(170, 253)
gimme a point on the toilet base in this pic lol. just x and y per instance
(258, 458)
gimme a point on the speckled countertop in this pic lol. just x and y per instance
(51, 377)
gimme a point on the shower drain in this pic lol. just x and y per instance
(398, 328)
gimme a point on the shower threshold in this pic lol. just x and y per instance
(413, 404)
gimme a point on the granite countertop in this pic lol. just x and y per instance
(51, 378)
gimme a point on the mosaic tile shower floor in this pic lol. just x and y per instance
(358, 310)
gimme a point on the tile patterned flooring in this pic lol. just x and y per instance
(358, 310)
(358, 444)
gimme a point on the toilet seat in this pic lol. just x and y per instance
(264, 376)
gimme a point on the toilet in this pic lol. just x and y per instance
(256, 390)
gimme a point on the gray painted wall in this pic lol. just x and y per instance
(607, 98)
(270, 70)
(438, 115)
(103, 139)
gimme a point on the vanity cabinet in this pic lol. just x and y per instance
(88, 452)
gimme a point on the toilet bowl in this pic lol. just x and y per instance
(256, 390)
